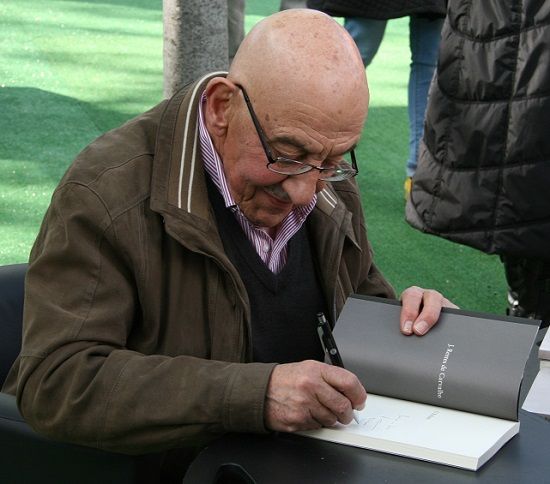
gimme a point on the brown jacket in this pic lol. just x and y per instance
(136, 324)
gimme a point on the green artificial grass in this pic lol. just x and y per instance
(71, 70)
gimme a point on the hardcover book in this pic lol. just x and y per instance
(544, 351)
(538, 398)
(450, 396)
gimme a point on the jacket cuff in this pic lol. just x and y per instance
(244, 401)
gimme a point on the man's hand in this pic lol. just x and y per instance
(421, 309)
(310, 395)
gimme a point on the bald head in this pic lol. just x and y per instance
(301, 52)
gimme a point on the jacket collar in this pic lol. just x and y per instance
(178, 184)
(330, 205)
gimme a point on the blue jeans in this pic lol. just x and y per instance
(424, 36)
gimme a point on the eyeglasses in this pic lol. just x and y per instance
(287, 166)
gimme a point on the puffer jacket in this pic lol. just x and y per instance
(136, 326)
(379, 9)
(484, 164)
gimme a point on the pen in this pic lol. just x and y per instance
(327, 341)
(329, 346)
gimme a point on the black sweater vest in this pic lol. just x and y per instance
(284, 305)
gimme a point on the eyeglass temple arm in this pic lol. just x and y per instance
(257, 125)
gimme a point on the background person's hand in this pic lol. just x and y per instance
(421, 309)
(309, 395)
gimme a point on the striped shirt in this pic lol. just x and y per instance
(273, 252)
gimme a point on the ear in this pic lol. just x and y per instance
(218, 110)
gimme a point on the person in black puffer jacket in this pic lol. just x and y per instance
(366, 22)
(484, 165)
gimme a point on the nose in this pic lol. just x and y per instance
(301, 188)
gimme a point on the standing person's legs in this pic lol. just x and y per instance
(529, 283)
(235, 26)
(424, 34)
(367, 34)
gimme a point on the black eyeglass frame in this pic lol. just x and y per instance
(306, 166)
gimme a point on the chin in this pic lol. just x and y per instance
(267, 222)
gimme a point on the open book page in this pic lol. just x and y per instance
(468, 361)
(424, 432)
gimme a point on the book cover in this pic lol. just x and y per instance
(450, 396)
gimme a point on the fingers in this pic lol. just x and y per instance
(309, 395)
(341, 394)
(421, 309)
(344, 382)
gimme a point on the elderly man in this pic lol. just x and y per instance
(173, 288)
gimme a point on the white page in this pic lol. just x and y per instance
(424, 432)
(538, 398)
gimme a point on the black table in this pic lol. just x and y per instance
(288, 459)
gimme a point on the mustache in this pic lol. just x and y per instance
(278, 192)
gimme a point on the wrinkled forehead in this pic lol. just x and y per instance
(307, 125)
(332, 106)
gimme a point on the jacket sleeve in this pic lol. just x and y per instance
(77, 380)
